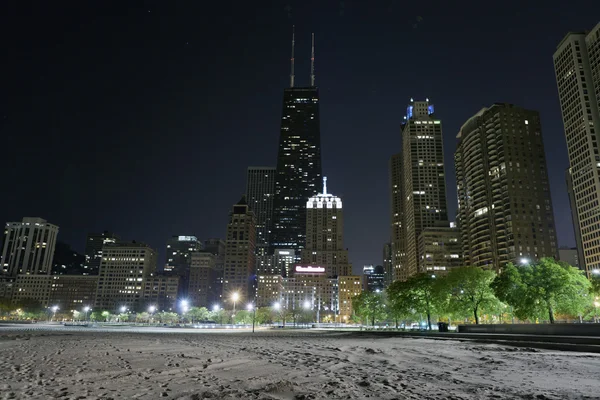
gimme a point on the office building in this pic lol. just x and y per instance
(203, 285)
(373, 278)
(32, 288)
(93, 250)
(569, 256)
(325, 234)
(397, 219)
(239, 272)
(285, 260)
(440, 249)
(179, 252)
(67, 261)
(310, 286)
(123, 270)
(298, 174)
(260, 191)
(423, 180)
(504, 203)
(28, 247)
(160, 291)
(73, 292)
(577, 69)
(216, 247)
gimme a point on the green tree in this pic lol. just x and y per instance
(369, 306)
(419, 294)
(142, 317)
(198, 314)
(243, 317)
(469, 291)
(264, 315)
(546, 287)
(29, 306)
(595, 284)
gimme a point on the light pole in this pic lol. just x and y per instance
(235, 297)
(253, 309)
(54, 310)
(216, 309)
(277, 306)
(86, 309)
(151, 310)
(184, 308)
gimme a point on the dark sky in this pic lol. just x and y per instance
(141, 118)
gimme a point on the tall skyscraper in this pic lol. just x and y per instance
(577, 68)
(201, 292)
(179, 251)
(28, 247)
(123, 271)
(387, 264)
(397, 219)
(423, 180)
(216, 247)
(504, 202)
(325, 234)
(373, 279)
(93, 249)
(298, 163)
(440, 249)
(67, 261)
(260, 191)
(239, 277)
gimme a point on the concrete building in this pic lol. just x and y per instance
(577, 68)
(440, 249)
(260, 191)
(325, 234)
(285, 260)
(504, 203)
(239, 276)
(270, 290)
(123, 270)
(203, 285)
(160, 291)
(67, 261)
(348, 287)
(178, 257)
(310, 285)
(32, 287)
(397, 220)
(423, 180)
(373, 278)
(73, 292)
(28, 247)
(570, 256)
(93, 250)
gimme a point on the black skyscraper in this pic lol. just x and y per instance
(298, 163)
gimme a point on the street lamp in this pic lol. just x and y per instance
(306, 305)
(184, 306)
(215, 308)
(54, 310)
(253, 309)
(86, 309)
(235, 297)
(524, 261)
(123, 309)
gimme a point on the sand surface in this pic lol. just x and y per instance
(140, 364)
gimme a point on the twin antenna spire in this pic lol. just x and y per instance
(312, 59)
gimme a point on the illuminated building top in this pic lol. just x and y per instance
(324, 200)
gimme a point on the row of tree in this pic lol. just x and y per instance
(534, 292)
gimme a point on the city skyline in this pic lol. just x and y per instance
(83, 200)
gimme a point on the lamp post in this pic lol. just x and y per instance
(54, 310)
(151, 310)
(86, 309)
(253, 309)
(184, 308)
(235, 297)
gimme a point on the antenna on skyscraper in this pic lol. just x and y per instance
(312, 62)
(292, 59)
(325, 185)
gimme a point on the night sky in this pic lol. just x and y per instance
(142, 118)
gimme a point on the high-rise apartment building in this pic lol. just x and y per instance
(325, 234)
(239, 277)
(123, 271)
(28, 247)
(298, 161)
(397, 219)
(216, 247)
(93, 250)
(577, 68)
(504, 202)
(67, 261)
(423, 180)
(260, 191)
(440, 249)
